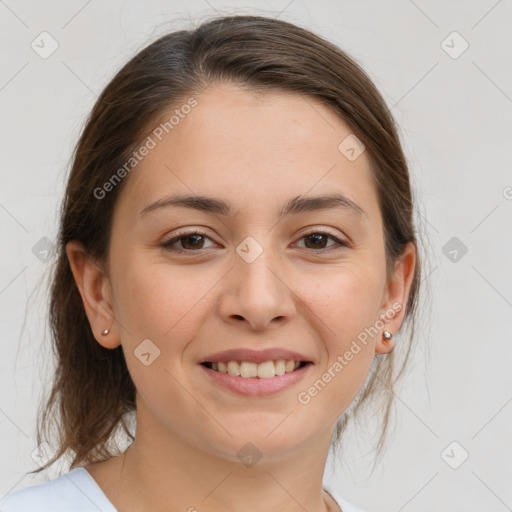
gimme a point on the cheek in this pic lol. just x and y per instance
(345, 306)
(347, 301)
(162, 302)
(159, 303)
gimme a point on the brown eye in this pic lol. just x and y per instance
(317, 240)
(190, 242)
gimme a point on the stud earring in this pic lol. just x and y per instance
(387, 335)
(105, 332)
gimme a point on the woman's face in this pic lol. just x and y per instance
(253, 279)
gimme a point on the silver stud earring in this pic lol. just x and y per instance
(105, 332)
(387, 335)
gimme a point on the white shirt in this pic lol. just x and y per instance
(77, 491)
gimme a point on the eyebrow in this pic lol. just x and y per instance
(296, 205)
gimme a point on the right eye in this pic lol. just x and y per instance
(191, 239)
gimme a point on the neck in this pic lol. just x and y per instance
(163, 472)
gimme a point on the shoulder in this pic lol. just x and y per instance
(343, 504)
(75, 490)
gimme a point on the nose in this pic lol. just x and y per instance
(257, 293)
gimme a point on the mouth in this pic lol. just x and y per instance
(252, 379)
(255, 380)
(251, 370)
(256, 373)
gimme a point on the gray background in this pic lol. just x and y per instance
(454, 111)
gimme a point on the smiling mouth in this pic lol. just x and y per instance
(265, 370)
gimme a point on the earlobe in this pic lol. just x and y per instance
(94, 288)
(395, 298)
(385, 344)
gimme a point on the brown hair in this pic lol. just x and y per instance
(92, 389)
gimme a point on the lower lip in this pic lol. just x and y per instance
(254, 386)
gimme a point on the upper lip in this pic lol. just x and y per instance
(254, 356)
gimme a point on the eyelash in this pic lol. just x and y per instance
(167, 245)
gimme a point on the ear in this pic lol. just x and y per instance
(95, 290)
(395, 297)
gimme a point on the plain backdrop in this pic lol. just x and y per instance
(444, 70)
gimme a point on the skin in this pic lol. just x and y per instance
(257, 152)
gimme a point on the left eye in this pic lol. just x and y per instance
(317, 236)
(194, 241)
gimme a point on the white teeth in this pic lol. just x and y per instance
(247, 369)
(233, 368)
(280, 367)
(265, 370)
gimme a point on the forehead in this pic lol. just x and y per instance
(255, 149)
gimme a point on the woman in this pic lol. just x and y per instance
(237, 253)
